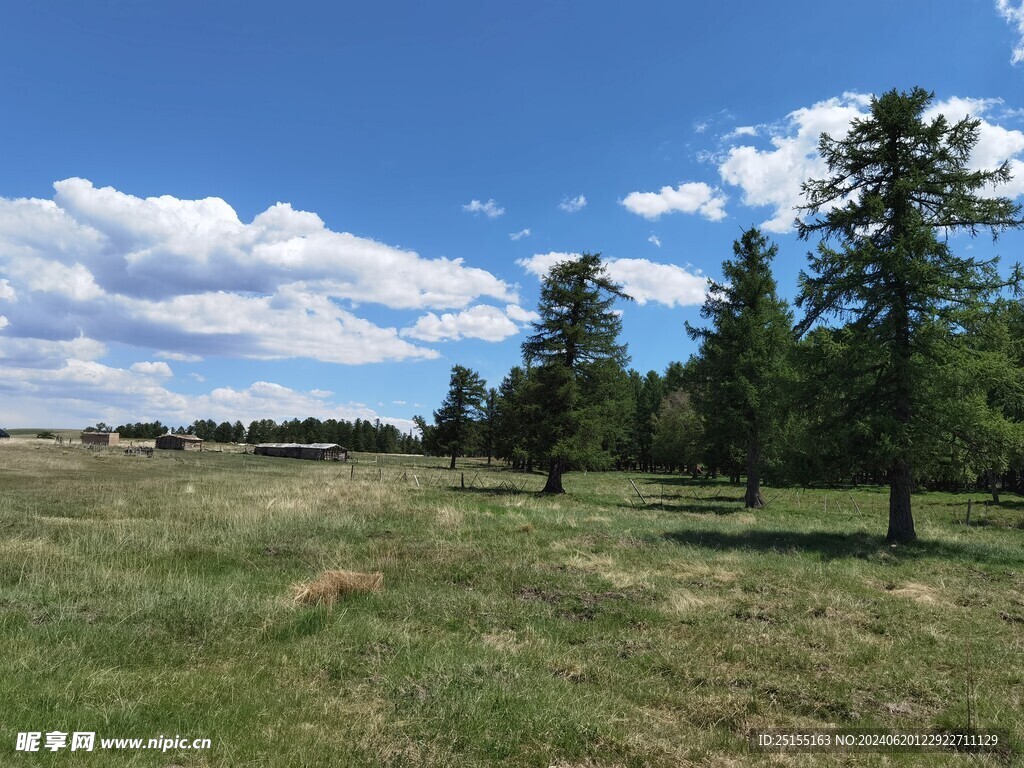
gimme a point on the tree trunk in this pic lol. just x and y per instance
(452, 465)
(554, 483)
(901, 521)
(753, 498)
(993, 488)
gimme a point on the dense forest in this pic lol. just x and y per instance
(906, 367)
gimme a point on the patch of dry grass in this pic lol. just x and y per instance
(331, 586)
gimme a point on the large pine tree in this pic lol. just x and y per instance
(578, 363)
(899, 185)
(743, 354)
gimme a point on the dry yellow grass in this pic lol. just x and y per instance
(331, 586)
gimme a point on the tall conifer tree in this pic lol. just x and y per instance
(899, 185)
(743, 354)
(575, 348)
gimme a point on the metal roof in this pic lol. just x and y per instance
(298, 445)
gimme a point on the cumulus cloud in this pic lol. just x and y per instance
(742, 130)
(188, 279)
(480, 322)
(692, 197)
(520, 315)
(1014, 16)
(6, 291)
(47, 353)
(520, 234)
(573, 204)
(180, 357)
(490, 209)
(655, 241)
(772, 176)
(644, 280)
(159, 369)
(80, 392)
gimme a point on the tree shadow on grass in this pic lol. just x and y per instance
(693, 508)
(686, 481)
(831, 546)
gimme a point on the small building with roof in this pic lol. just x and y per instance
(172, 442)
(100, 438)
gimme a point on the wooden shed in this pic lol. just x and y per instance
(313, 451)
(171, 442)
(100, 438)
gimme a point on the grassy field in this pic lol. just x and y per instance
(153, 597)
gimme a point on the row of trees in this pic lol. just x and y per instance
(906, 367)
(360, 435)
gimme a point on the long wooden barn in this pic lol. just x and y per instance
(313, 451)
(170, 442)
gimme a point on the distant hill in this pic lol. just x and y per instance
(33, 431)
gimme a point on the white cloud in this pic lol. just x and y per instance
(692, 197)
(47, 353)
(772, 177)
(159, 369)
(1014, 16)
(541, 263)
(520, 234)
(80, 392)
(742, 130)
(573, 204)
(4, 322)
(180, 357)
(520, 315)
(644, 280)
(700, 126)
(188, 279)
(198, 377)
(34, 274)
(654, 240)
(296, 322)
(490, 209)
(479, 322)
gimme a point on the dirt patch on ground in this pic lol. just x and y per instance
(576, 606)
(912, 590)
(503, 640)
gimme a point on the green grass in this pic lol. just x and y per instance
(146, 597)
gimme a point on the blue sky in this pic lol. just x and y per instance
(245, 210)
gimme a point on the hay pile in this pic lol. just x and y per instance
(331, 586)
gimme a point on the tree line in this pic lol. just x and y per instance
(360, 435)
(906, 367)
